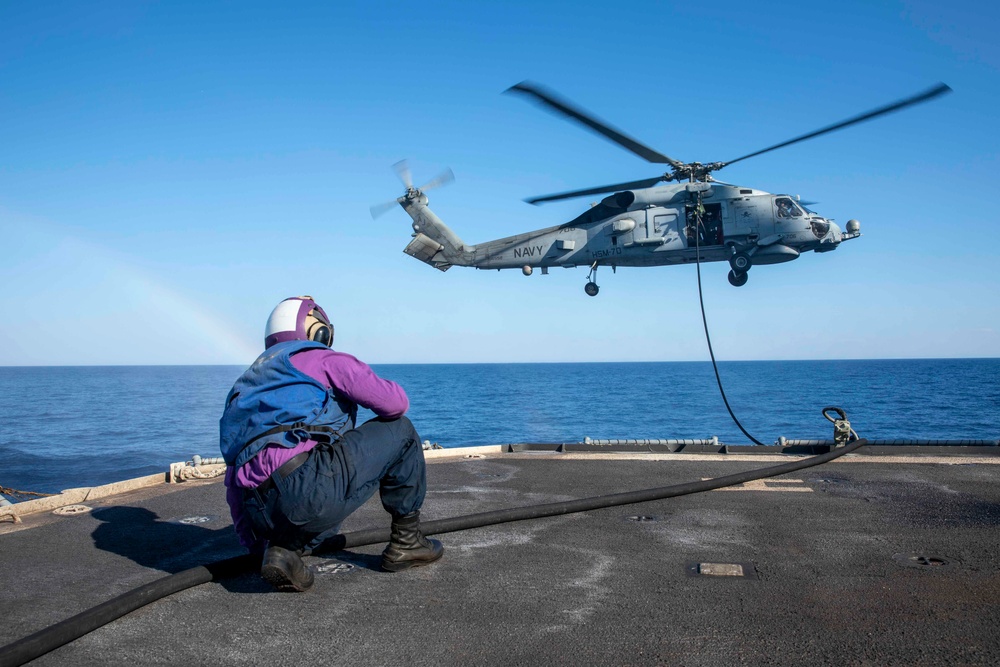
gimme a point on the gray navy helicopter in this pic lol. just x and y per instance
(693, 218)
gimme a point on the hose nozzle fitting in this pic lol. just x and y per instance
(842, 433)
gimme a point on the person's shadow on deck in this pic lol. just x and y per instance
(139, 535)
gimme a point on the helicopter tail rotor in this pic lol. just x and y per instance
(378, 210)
(402, 169)
(444, 178)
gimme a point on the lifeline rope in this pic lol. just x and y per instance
(194, 472)
(14, 492)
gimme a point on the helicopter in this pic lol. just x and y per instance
(694, 218)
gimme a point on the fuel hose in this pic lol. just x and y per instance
(50, 638)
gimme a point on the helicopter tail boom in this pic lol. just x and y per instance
(433, 242)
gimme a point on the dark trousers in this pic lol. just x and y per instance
(307, 507)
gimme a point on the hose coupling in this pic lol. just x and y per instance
(841, 426)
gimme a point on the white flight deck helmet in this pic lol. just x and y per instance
(298, 318)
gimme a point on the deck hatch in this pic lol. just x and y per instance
(719, 570)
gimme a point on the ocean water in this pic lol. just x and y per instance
(65, 427)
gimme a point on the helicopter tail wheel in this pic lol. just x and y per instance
(737, 279)
(741, 263)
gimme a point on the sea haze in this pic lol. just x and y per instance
(65, 427)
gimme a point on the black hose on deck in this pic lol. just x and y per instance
(438, 526)
(54, 636)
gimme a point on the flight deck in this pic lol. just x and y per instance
(870, 559)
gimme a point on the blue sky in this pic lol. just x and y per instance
(170, 171)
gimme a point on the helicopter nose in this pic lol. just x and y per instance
(835, 234)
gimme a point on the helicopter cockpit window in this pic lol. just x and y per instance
(787, 208)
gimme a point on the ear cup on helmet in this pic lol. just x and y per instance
(321, 332)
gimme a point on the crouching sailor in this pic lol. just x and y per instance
(298, 466)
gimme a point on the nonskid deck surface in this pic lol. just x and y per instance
(860, 561)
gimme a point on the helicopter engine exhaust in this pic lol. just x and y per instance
(619, 200)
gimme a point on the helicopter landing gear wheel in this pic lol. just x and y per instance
(737, 279)
(740, 263)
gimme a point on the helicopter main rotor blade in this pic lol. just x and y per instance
(929, 94)
(550, 100)
(633, 185)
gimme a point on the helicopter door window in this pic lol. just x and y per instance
(786, 208)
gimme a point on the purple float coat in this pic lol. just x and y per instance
(349, 378)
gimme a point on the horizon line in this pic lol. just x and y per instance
(510, 363)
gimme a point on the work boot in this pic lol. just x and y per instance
(408, 547)
(285, 570)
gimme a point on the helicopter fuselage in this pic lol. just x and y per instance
(692, 219)
(670, 224)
